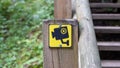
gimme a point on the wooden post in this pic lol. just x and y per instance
(87, 46)
(61, 57)
(62, 9)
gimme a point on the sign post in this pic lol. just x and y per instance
(60, 39)
(61, 57)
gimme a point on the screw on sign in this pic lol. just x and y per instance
(60, 35)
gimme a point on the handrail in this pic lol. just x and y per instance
(87, 46)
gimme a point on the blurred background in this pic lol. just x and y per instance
(21, 32)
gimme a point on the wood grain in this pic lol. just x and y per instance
(62, 9)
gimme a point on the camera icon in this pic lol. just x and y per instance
(60, 34)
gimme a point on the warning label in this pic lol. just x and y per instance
(60, 35)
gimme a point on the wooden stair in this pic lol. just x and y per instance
(107, 29)
(109, 46)
(105, 5)
(106, 16)
(101, 15)
(110, 64)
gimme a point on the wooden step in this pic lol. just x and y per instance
(110, 63)
(105, 5)
(106, 16)
(109, 46)
(107, 29)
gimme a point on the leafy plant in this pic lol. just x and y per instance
(20, 32)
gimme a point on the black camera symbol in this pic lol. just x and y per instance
(60, 34)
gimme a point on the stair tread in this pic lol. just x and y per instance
(110, 63)
(105, 5)
(107, 29)
(106, 16)
(109, 46)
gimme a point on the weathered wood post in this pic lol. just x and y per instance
(61, 57)
(87, 46)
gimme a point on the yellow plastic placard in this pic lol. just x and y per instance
(60, 35)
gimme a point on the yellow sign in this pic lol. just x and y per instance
(60, 35)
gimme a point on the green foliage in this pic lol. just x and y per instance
(20, 32)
